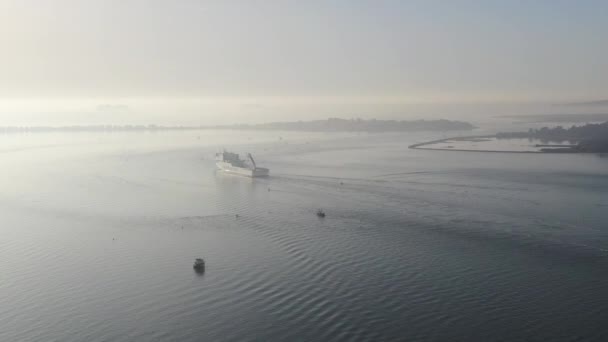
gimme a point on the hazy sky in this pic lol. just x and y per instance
(64, 61)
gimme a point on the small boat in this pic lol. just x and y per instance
(320, 213)
(199, 264)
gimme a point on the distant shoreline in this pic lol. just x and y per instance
(329, 125)
(360, 125)
(558, 118)
(419, 146)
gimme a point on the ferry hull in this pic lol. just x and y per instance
(241, 171)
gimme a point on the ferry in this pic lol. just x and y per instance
(232, 163)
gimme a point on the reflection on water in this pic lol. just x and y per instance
(99, 233)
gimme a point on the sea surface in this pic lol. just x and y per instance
(98, 234)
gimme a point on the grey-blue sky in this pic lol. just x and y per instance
(138, 53)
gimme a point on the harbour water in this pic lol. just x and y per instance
(99, 232)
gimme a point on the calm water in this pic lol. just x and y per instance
(99, 232)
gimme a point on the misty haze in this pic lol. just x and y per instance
(303, 171)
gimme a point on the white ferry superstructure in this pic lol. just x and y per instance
(232, 163)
